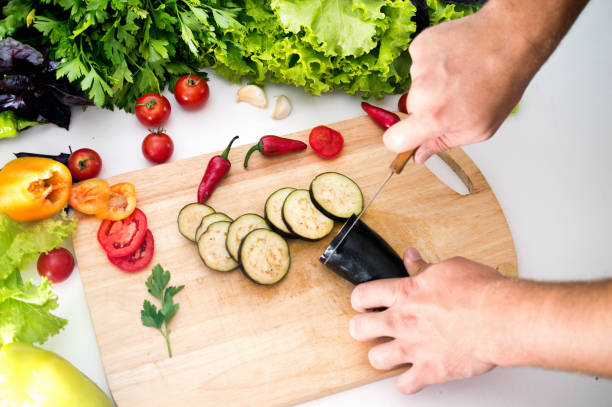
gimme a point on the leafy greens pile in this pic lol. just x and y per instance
(25, 308)
(118, 49)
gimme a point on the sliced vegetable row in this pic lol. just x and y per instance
(257, 245)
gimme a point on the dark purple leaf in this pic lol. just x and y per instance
(14, 54)
(15, 103)
(66, 94)
(16, 83)
(61, 157)
(47, 106)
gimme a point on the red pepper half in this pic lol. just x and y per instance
(381, 116)
(217, 168)
(274, 145)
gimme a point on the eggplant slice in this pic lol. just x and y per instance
(240, 228)
(336, 195)
(208, 220)
(264, 256)
(190, 217)
(303, 218)
(211, 247)
(273, 211)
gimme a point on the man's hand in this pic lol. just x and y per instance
(468, 74)
(437, 320)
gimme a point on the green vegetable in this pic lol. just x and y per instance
(118, 50)
(25, 308)
(10, 124)
(34, 377)
(149, 315)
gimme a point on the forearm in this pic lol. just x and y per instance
(564, 326)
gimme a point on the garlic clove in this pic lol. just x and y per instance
(253, 95)
(282, 108)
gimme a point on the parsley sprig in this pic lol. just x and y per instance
(150, 315)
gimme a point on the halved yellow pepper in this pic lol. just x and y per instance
(33, 188)
(34, 377)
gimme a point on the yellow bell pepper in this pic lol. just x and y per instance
(34, 377)
(33, 188)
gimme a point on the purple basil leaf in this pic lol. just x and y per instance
(13, 55)
(66, 94)
(61, 157)
(47, 106)
(16, 83)
(15, 103)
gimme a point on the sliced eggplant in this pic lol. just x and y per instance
(240, 228)
(211, 247)
(264, 256)
(208, 220)
(190, 217)
(303, 218)
(273, 211)
(336, 195)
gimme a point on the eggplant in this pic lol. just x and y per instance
(363, 255)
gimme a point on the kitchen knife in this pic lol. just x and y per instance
(396, 167)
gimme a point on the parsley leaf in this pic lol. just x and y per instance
(157, 285)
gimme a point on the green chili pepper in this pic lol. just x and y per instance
(11, 124)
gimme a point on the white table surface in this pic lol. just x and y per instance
(549, 166)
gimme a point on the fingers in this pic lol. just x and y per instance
(407, 134)
(369, 325)
(412, 380)
(389, 355)
(375, 294)
(413, 261)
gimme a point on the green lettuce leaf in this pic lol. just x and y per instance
(440, 11)
(25, 308)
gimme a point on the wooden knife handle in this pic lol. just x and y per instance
(400, 161)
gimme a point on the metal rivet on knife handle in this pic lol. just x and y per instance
(400, 161)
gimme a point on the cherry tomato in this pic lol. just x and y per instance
(401, 103)
(325, 141)
(57, 265)
(84, 164)
(90, 196)
(157, 147)
(121, 202)
(122, 237)
(152, 109)
(191, 91)
(139, 259)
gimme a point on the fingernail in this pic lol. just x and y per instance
(412, 254)
(422, 155)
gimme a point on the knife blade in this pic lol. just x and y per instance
(396, 167)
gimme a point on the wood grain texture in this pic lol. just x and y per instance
(239, 344)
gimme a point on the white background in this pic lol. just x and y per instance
(548, 165)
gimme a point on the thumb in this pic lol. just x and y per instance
(407, 134)
(413, 261)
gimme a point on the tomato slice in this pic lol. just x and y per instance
(121, 202)
(122, 237)
(325, 141)
(90, 196)
(139, 259)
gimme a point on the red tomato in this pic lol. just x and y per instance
(191, 91)
(84, 164)
(122, 237)
(57, 265)
(152, 109)
(157, 147)
(325, 141)
(401, 103)
(139, 259)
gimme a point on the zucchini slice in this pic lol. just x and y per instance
(211, 247)
(273, 211)
(209, 219)
(240, 228)
(264, 256)
(336, 195)
(303, 218)
(189, 218)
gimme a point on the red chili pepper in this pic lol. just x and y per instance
(274, 145)
(217, 168)
(381, 116)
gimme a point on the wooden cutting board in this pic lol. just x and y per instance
(239, 344)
